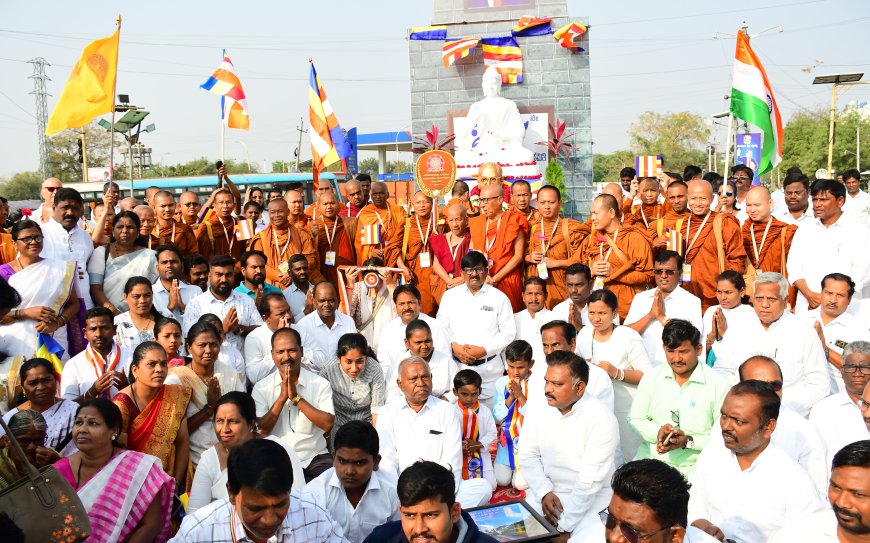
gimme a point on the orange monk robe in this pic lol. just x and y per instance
(558, 247)
(342, 245)
(642, 216)
(773, 253)
(215, 237)
(412, 247)
(532, 216)
(501, 234)
(631, 272)
(180, 235)
(660, 227)
(703, 254)
(8, 252)
(290, 241)
(392, 222)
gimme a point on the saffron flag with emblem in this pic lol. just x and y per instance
(568, 33)
(234, 105)
(370, 234)
(48, 348)
(752, 101)
(90, 89)
(428, 33)
(457, 49)
(328, 142)
(505, 56)
(532, 26)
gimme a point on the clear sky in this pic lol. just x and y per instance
(645, 55)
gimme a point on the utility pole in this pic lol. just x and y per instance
(39, 78)
(300, 129)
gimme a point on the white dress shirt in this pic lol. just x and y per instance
(319, 341)
(750, 505)
(485, 319)
(76, 244)
(805, 218)
(258, 354)
(578, 469)
(819, 527)
(161, 298)
(296, 300)
(529, 330)
(204, 303)
(840, 423)
(391, 344)
(600, 387)
(838, 333)
(818, 250)
(798, 350)
(730, 349)
(858, 207)
(560, 313)
(442, 367)
(292, 425)
(379, 503)
(679, 304)
(79, 375)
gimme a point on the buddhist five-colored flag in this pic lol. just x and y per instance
(370, 234)
(428, 33)
(648, 166)
(752, 101)
(328, 142)
(457, 49)
(505, 56)
(205, 214)
(568, 33)
(234, 105)
(532, 26)
(90, 89)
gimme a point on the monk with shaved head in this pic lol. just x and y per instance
(650, 209)
(323, 187)
(217, 234)
(619, 255)
(333, 237)
(353, 193)
(448, 250)
(281, 240)
(146, 225)
(188, 208)
(766, 240)
(168, 229)
(713, 244)
(379, 228)
(415, 256)
(676, 213)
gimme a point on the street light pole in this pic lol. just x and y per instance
(836, 81)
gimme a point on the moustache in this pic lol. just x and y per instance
(844, 513)
(729, 434)
(550, 396)
(416, 535)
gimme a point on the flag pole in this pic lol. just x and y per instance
(112, 129)
(84, 157)
(223, 126)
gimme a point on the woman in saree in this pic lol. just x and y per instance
(448, 250)
(235, 423)
(136, 325)
(127, 495)
(30, 430)
(153, 413)
(124, 256)
(49, 304)
(209, 379)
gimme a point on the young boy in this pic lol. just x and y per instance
(357, 496)
(509, 408)
(478, 427)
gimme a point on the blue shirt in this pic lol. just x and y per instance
(267, 289)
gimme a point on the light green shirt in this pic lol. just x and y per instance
(696, 404)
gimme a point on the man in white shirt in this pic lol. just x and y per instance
(857, 202)
(442, 366)
(481, 321)
(569, 478)
(749, 490)
(237, 311)
(101, 369)
(796, 190)
(790, 341)
(833, 242)
(258, 345)
(838, 417)
(651, 309)
(322, 328)
(535, 315)
(391, 343)
(66, 240)
(835, 325)
(357, 495)
(171, 293)
(299, 294)
(578, 282)
(295, 404)
(418, 426)
(43, 214)
(849, 519)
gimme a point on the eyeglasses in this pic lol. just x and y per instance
(30, 240)
(629, 533)
(473, 271)
(669, 273)
(489, 180)
(863, 370)
(24, 442)
(488, 200)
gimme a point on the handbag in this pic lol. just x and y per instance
(43, 504)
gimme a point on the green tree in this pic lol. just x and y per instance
(63, 152)
(369, 166)
(605, 167)
(679, 137)
(805, 141)
(197, 167)
(22, 186)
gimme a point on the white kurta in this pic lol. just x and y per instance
(819, 527)
(391, 345)
(838, 333)
(319, 341)
(258, 354)
(839, 421)
(680, 304)
(529, 330)
(75, 244)
(442, 367)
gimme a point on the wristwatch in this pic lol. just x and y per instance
(296, 399)
(690, 443)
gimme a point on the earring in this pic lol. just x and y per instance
(114, 436)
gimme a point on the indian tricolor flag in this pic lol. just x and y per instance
(752, 101)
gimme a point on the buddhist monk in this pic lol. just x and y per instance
(170, 230)
(147, 224)
(149, 195)
(676, 213)
(296, 208)
(766, 240)
(448, 250)
(188, 208)
(8, 252)
(650, 209)
(501, 236)
(415, 256)
(129, 203)
(706, 257)
(521, 200)
(354, 196)
(217, 234)
(322, 188)
(385, 218)
(554, 244)
(619, 255)
(614, 190)
(281, 240)
(334, 238)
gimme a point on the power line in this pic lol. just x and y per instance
(39, 78)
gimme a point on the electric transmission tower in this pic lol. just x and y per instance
(39, 78)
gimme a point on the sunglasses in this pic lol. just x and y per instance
(669, 273)
(729, 193)
(629, 533)
(50, 189)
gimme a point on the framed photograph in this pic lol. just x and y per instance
(512, 521)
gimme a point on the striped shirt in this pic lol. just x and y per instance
(355, 399)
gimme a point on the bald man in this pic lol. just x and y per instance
(353, 193)
(147, 224)
(489, 173)
(385, 221)
(501, 236)
(766, 240)
(168, 229)
(312, 210)
(333, 237)
(322, 328)
(650, 209)
(188, 208)
(619, 255)
(149, 195)
(296, 208)
(415, 256)
(676, 213)
(217, 234)
(281, 240)
(521, 200)
(45, 211)
(713, 243)
(615, 190)
(448, 250)
(129, 203)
